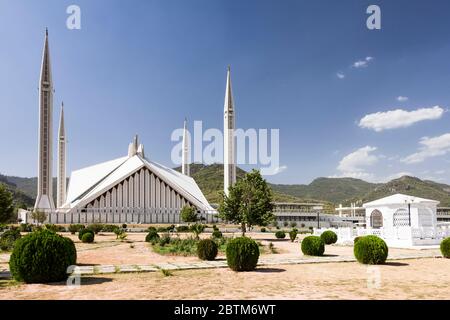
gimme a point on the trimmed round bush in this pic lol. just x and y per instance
(8, 239)
(82, 232)
(152, 236)
(87, 237)
(313, 246)
(207, 249)
(445, 248)
(280, 234)
(42, 257)
(263, 229)
(356, 239)
(370, 250)
(242, 254)
(217, 234)
(329, 237)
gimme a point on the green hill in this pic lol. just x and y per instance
(414, 187)
(20, 197)
(329, 190)
(210, 180)
(335, 190)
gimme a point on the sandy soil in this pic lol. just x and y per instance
(411, 279)
(407, 279)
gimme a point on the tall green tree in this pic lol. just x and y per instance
(249, 202)
(6, 204)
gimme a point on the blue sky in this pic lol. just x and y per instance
(142, 66)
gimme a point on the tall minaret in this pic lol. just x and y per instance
(61, 194)
(185, 155)
(44, 199)
(229, 163)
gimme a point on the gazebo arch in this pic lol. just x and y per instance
(376, 219)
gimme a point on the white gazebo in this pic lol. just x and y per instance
(401, 220)
(401, 210)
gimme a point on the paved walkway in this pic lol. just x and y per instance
(265, 261)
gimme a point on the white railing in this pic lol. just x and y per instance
(396, 233)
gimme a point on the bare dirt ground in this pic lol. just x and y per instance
(427, 278)
(412, 279)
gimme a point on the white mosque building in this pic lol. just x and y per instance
(127, 189)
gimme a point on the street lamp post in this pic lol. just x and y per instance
(318, 208)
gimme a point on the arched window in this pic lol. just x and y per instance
(401, 218)
(376, 219)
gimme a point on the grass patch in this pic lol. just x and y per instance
(166, 273)
(188, 247)
(5, 283)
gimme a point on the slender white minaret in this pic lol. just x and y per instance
(229, 163)
(44, 198)
(185, 155)
(61, 193)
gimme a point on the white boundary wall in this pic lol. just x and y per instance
(125, 215)
(398, 236)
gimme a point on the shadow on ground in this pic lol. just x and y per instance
(270, 270)
(85, 281)
(396, 264)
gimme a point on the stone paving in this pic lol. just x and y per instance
(264, 261)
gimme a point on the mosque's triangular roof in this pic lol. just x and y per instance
(88, 183)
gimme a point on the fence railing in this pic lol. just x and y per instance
(397, 233)
(124, 215)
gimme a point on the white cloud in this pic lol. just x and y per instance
(340, 75)
(280, 169)
(354, 164)
(430, 147)
(399, 118)
(362, 63)
(402, 98)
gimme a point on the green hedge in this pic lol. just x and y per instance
(371, 250)
(242, 254)
(9, 238)
(329, 237)
(293, 235)
(152, 236)
(217, 234)
(42, 257)
(207, 249)
(280, 234)
(83, 232)
(445, 247)
(88, 237)
(74, 228)
(182, 229)
(313, 246)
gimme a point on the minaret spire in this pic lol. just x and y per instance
(229, 162)
(185, 155)
(61, 192)
(44, 199)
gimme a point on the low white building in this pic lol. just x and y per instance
(401, 220)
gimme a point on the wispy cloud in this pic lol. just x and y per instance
(402, 99)
(280, 169)
(340, 75)
(399, 118)
(362, 63)
(354, 164)
(430, 148)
